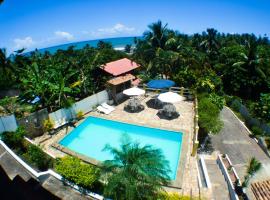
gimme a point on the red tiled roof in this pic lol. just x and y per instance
(120, 66)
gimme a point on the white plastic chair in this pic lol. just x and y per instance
(108, 107)
(103, 110)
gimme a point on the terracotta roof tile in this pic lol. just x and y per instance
(120, 66)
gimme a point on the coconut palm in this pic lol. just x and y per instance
(253, 167)
(6, 70)
(135, 172)
(157, 35)
(250, 62)
(210, 43)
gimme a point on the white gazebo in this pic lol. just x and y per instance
(170, 97)
(134, 91)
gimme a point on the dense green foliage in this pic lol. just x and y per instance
(217, 100)
(37, 157)
(135, 172)
(60, 78)
(14, 139)
(209, 120)
(211, 61)
(262, 108)
(29, 152)
(74, 170)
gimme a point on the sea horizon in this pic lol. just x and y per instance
(118, 43)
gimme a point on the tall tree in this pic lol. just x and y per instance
(157, 35)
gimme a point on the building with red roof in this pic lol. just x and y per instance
(119, 67)
(123, 79)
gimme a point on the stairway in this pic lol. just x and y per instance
(220, 189)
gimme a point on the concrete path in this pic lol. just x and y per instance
(234, 141)
(219, 185)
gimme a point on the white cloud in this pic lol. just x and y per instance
(64, 35)
(24, 42)
(117, 29)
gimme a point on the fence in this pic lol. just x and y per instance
(64, 115)
(8, 123)
(249, 120)
(33, 123)
(196, 128)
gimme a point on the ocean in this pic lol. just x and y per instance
(117, 43)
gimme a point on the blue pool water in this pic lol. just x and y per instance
(91, 136)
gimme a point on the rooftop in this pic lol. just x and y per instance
(119, 67)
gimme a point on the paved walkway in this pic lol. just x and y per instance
(219, 185)
(234, 141)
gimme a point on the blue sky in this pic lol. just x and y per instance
(36, 23)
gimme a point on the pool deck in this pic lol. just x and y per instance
(186, 180)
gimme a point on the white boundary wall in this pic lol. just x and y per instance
(8, 123)
(86, 105)
(39, 175)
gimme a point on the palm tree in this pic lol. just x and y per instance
(210, 43)
(6, 70)
(157, 35)
(251, 64)
(253, 167)
(135, 172)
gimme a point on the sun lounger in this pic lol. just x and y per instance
(108, 107)
(103, 110)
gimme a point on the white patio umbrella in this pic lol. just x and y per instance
(170, 97)
(134, 91)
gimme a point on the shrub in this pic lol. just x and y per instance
(48, 124)
(14, 139)
(173, 196)
(262, 109)
(74, 170)
(79, 115)
(267, 141)
(209, 116)
(257, 131)
(37, 157)
(236, 105)
(217, 100)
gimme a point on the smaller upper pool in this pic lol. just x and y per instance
(91, 136)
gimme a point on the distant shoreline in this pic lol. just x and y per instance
(118, 43)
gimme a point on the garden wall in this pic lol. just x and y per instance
(249, 120)
(86, 105)
(33, 123)
(8, 123)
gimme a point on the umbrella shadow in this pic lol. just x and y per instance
(162, 116)
(139, 109)
(154, 103)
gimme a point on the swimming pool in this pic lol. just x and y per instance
(91, 136)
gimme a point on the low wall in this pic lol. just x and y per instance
(85, 105)
(33, 123)
(8, 123)
(205, 172)
(233, 195)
